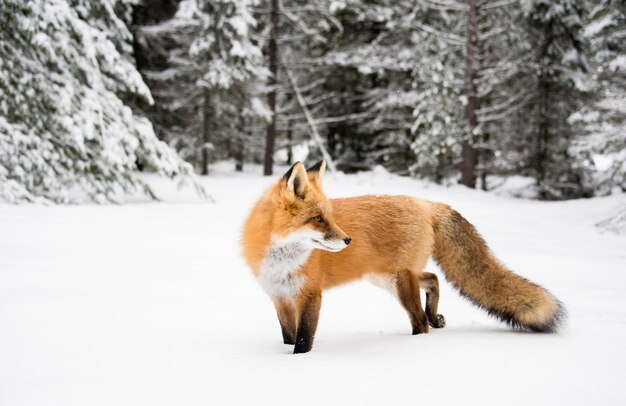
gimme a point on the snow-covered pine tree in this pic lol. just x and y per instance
(164, 39)
(370, 69)
(439, 125)
(561, 84)
(467, 68)
(502, 88)
(209, 86)
(605, 119)
(370, 77)
(63, 67)
(295, 34)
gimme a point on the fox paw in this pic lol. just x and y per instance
(421, 327)
(439, 322)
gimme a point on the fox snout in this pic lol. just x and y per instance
(332, 245)
(335, 233)
(346, 240)
(333, 241)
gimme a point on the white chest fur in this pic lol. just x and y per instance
(278, 274)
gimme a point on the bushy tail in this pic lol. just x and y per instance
(470, 266)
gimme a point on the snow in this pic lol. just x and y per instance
(595, 27)
(151, 304)
(619, 63)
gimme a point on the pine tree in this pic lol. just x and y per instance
(468, 67)
(604, 120)
(208, 87)
(294, 36)
(439, 122)
(561, 85)
(368, 97)
(63, 67)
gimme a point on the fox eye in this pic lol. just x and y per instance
(319, 219)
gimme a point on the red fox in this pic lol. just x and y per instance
(299, 243)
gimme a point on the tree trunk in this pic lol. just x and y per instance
(239, 158)
(206, 134)
(439, 168)
(408, 155)
(270, 137)
(484, 157)
(290, 144)
(469, 155)
(543, 129)
(240, 152)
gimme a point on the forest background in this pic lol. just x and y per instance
(93, 92)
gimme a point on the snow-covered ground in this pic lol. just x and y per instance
(152, 304)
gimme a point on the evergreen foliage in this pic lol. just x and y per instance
(604, 119)
(207, 77)
(63, 69)
(447, 90)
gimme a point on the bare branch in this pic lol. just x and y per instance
(298, 23)
(508, 111)
(451, 39)
(443, 5)
(309, 118)
(510, 101)
(491, 33)
(496, 4)
(347, 117)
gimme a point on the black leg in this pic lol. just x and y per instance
(309, 314)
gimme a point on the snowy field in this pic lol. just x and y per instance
(151, 304)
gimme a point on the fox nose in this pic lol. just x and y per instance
(347, 240)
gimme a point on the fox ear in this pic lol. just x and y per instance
(316, 172)
(296, 180)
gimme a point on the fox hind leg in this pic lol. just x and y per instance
(429, 282)
(287, 317)
(408, 290)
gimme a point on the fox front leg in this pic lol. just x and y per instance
(309, 306)
(287, 317)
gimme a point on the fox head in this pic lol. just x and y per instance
(304, 214)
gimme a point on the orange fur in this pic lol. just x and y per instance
(392, 238)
